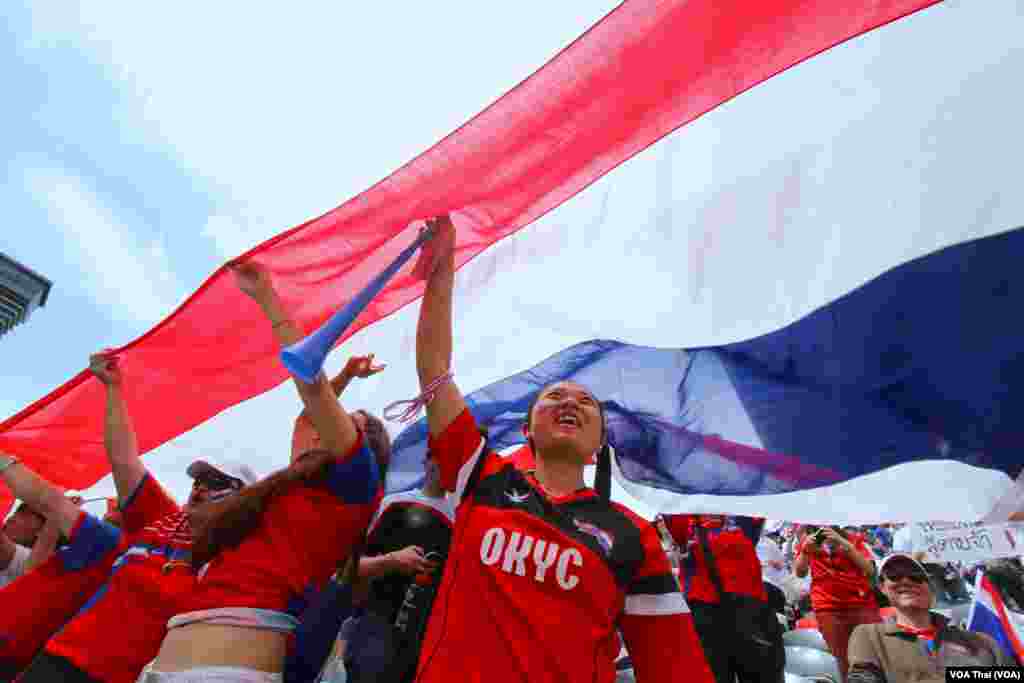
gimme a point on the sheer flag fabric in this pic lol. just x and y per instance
(911, 381)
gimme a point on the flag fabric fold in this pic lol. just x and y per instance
(909, 380)
(643, 71)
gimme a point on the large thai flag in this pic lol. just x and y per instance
(783, 156)
(905, 387)
(989, 614)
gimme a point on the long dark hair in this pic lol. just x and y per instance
(225, 523)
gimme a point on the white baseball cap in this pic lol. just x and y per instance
(901, 556)
(227, 468)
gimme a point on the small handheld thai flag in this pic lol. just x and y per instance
(989, 614)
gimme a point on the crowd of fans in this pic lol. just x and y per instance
(496, 569)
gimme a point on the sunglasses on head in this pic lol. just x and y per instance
(916, 577)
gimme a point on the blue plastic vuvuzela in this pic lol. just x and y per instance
(304, 359)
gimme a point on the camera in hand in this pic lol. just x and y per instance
(817, 533)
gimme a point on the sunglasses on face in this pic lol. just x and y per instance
(213, 482)
(915, 577)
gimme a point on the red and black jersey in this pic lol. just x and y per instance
(535, 587)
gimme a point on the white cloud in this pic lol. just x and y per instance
(124, 273)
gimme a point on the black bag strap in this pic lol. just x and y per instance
(709, 560)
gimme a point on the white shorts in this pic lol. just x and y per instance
(209, 674)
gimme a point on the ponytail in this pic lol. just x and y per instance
(603, 476)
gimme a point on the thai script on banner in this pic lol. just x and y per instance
(966, 541)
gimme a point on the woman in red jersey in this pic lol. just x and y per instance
(542, 570)
(261, 553)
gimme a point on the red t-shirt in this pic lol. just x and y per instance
(534, 587)
(120, 628)
(63, 584)
(836, 582)
(304, 534)
(739, 568)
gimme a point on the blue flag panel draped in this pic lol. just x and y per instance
(921, 363)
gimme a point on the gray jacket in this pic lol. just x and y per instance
(884, 653)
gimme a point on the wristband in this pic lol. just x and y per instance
(413, 407)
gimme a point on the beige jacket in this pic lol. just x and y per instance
(883, 652)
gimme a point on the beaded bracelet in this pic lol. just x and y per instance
(413, 406)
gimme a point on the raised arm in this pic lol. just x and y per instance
(40, 494)
(335, 427)
(118, 431)
(357, 366)
(855, 551)
(802, 561)
(45, 545)
(434, 331)
(48, 539)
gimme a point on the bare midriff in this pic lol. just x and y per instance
(195, 645)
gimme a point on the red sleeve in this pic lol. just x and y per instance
(457, 450)
(661, 647)
(654, 590)
(656, 622)
(148, 503)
